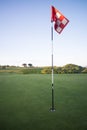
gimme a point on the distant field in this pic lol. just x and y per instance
(25, 101)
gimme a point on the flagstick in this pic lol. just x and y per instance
(52, 109)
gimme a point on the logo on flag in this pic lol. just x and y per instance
(60, 20)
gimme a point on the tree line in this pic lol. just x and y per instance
(30, 69)
(67, 69)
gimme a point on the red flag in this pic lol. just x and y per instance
(60, 20)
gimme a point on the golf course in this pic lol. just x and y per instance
(25, 102)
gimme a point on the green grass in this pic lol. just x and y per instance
(25, 101)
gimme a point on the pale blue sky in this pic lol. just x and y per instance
(25, 32)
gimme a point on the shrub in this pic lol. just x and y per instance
(31, 71)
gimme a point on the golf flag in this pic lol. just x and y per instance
(60, 20)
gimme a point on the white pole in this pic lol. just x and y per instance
(52, 109)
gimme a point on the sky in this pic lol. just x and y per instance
(25, 33)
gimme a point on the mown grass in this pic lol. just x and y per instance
(25, 101)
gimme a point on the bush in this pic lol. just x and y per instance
(85, 70)
(46, 70)
(31, 71)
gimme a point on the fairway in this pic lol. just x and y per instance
(25, 101)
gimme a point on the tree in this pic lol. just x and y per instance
(24, 64)
(71, 68)
(4, 67)
(59, 70)
(30, 65)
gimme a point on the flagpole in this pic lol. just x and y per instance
(60, 22)
(52, 108)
